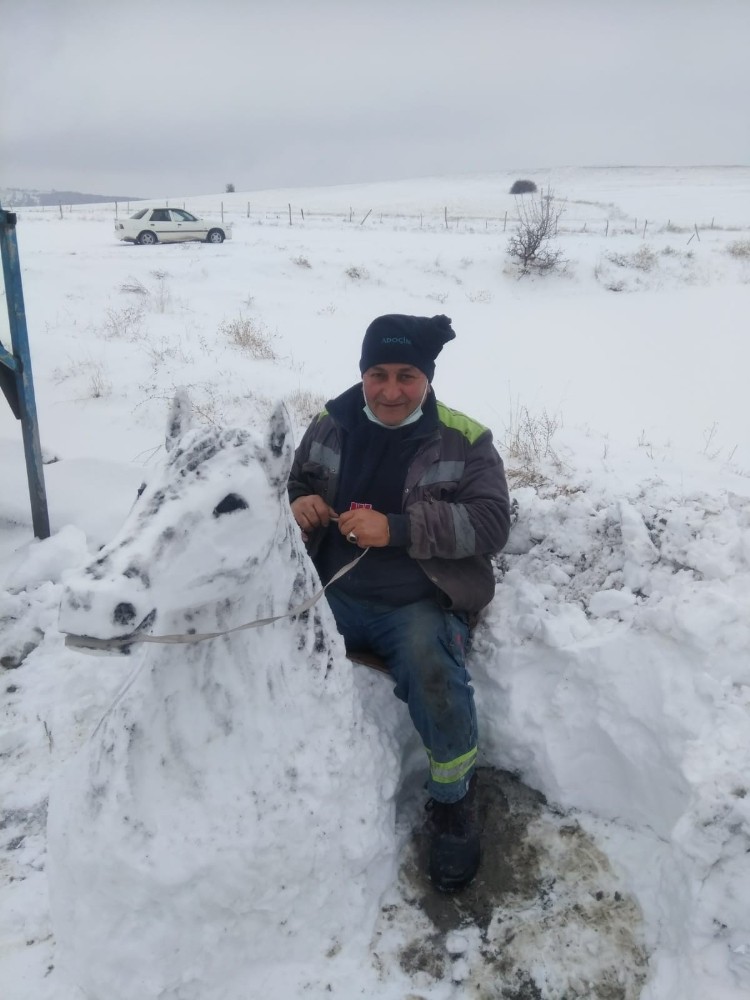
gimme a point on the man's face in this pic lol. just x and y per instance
(394, 391)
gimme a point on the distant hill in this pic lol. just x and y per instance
(23, 198)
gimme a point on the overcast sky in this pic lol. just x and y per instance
(180, 97)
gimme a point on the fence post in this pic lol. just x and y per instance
(16, 378)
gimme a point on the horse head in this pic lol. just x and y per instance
(206, 522)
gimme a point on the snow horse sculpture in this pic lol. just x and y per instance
(231, 808)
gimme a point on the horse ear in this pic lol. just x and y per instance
(180, 418)
(280, 447)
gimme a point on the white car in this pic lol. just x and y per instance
(170, 225)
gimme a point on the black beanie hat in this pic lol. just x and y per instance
(406, 340)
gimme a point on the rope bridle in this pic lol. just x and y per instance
(123, 643)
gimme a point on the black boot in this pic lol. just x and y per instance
(454, 841)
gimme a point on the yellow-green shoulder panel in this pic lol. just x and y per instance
(471, 429)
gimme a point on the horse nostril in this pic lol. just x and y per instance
(124, 614)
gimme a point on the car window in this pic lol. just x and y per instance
(139, 215)
(179, 215)
(160, 215)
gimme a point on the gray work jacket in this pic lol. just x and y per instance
(455, 494)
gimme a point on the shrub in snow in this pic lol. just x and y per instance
(232, 808)
(532, 245)
(739, 248)
(249, 335)
(523, 187)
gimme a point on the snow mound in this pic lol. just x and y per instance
(613, 675)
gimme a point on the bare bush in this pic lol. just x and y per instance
(357, 273)
(528, 444)
(531, 246)
(99, 385)
(162, 297)
(301, 261)
(124, 324)
(523, 187)
(739, 248)
(645, 259)
(250, 335)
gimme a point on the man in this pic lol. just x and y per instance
(387, 467)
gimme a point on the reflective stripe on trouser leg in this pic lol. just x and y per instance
(425, 649)
(451, 770)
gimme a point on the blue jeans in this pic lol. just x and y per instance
(425, 649)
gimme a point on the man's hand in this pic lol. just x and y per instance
(368, 527)
(311, 512)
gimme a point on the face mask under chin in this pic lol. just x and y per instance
(411, 419)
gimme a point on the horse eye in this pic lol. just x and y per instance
(231, 502)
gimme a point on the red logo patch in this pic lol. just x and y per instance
(359, 506)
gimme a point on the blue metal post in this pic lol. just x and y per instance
(20, 387)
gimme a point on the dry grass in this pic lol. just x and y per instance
(91, 373)
(124, 324)
(739, 248)
(134, 286)
(306, 404)
(249, 335)
(644, 259)
(528, 446)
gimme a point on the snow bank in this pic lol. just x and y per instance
(614, 675)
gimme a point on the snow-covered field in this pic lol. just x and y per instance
(613, 668)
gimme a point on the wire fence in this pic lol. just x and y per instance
(581, 218)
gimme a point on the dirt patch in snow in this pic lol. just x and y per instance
(545, 919)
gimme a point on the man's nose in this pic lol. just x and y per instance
(391, 390)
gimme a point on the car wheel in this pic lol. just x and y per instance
(215, 236)
(146, 238)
